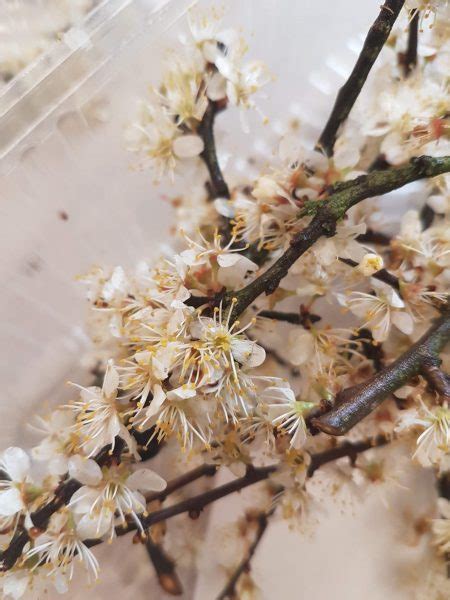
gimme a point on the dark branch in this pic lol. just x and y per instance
(346, 98)
(356, 402)
(219, 187)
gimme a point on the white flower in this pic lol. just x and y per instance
(223, 343)
(60, 546)
(98, 415)
(14, 468)
(434, 442)
(380, 311)
(207, 35)
(343, 244)
(182, 90)
(287, 413)
(110, 497)
(31, 585)
(156, 135)
(370, 264)
(55, 448)
(231, 265)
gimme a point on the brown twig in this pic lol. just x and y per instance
(374, 237)
(346, 98)
(356, 402)
(164, 567)
(229, 591)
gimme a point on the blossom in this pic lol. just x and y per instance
(380, 310)
(14, 484)
(182, 89)
(58, 443)
(98, 415)
(156, 136)
(109, 497)
(370, 264)
(28, 584)
(287, 412)
(434, 441)
(60, 546)
(207, 35)
(343, 244)
(223, 342)
(229, 263)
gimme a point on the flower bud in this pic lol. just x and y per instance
(370, 264)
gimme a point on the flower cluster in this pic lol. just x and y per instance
(207, 74)
(187, 359)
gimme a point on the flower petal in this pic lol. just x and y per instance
(10, 502)
(16, 463)
(146, 480)
(188, 146)
(85, 470)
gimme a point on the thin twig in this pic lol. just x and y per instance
(346, 98)
(172, 486)
(229, 591)
(356, 402)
